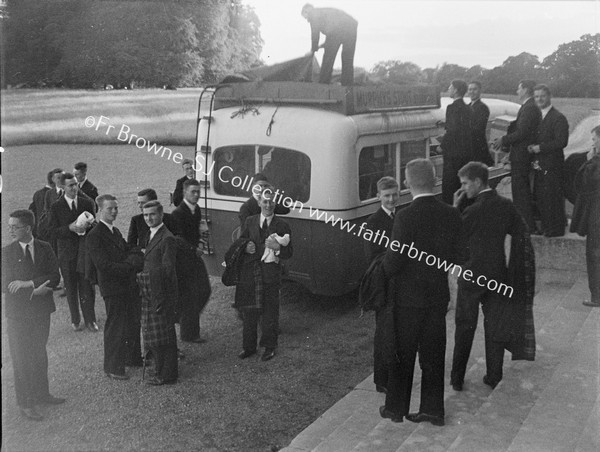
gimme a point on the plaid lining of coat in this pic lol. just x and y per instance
(157, 329)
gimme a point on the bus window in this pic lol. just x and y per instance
(374, 162)
(287, 170)
(410, 150)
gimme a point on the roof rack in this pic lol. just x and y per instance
(348, 100)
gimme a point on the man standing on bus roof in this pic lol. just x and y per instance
(340, 30)
(457, 143)
(481, 115)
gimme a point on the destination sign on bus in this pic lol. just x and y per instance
(394, 97)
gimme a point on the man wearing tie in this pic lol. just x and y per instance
(85, 186)
(188, 169)
(70, 239)
(29, 271)
(481, 115)
(260, 280)
(138, 229)
(115, 273)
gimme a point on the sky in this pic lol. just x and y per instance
(430, 33)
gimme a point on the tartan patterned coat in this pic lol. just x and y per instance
(158, 286)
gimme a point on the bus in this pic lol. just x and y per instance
(323, 148)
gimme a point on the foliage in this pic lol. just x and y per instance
(397, 72)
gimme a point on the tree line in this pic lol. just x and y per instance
(91, 43)
(572, 70)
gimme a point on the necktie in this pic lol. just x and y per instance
(73, 207)
(392, 215)
(28, 257)
(265, 228)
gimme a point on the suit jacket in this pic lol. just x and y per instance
(479, 121)
(251, 207)
(69, 244)
(379, 221)
(139, 231)
(90, 190)
(333, 23)
(115, 273)
(486, 223)
(187, 225)
(51, 197)
(21, 304)
(178, 193)
(271, 272)
(524, 132)
(553, 137)
(37, 206)
(430, 226)
(160, 264)
(457, 143)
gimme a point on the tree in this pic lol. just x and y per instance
(573, 70)
(505, 78)
(448, 72)
(395, 71)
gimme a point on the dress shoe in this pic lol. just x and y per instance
(424, 417)
(246, 354)
(76, 327)
(51, 400)
(92, 327)
(591, 304)
(388, 414)
(157, 381)
(380, 388)
(268, 354)
(492, 384)
(31, 413)
(458, 386)
(117, 376)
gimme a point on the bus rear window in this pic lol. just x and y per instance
(287, 170)
(374, 162)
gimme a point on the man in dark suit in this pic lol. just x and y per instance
(53, 195)
(158, 284)
(549, 165)
(50, 197)
(520, 135)
(457, 143)
(29, 271)
(194, 289)
(339, 29)
(269, 241)
(486, 223)
(115, 273)
(188, 169)
(382, 220)
(138, 229)
(479, 122)
(251, 207)
(85, 186)
(425, 234)
(70, 237)
(37, 204)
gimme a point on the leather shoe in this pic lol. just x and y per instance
(457, 386)
(591, 304)
(31, 413)
(92, 327)
(489, 382)
(76, 327)
(51, 400)
(117, 376)
(424, 417)
(157, 381)
(268, 354)
(246, 354)
(388, 414)
(380, 388)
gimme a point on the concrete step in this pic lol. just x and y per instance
(500, 418)
(560, 253)
(560, 414)
(590, 437)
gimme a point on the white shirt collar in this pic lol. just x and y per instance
(387, 211)
(70, 202)
(423, 195)
(546, 110)
(82, 182)
(190, 205)
(154, 230)
(109, 226)
(23, 245)
(483, 191)
(526, 100)
(263, 218)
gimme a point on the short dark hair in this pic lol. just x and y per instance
(476, 83)
(186, 161)
(150, 193)
(543, 87)
(107, 197)
(385, 183)
(65, 176)
(24, 216)
(475, 170)
(460, 86)
(596, 130)
(259, 176)
(56, 171)
(528, 85)
(153, 203)
(189, 182)
(49, 177)
(81, 166)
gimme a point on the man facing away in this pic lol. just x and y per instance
(70, 237)
(479, 121)
(115, 273)
(339, 29)
(382, 220)
(420, 293)
(485, 225)
(521, 134)
(549, 165)
(158, 284)
(29, 271)
(188, 169)
(269, 241)
(457, 143)
(37, 204)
